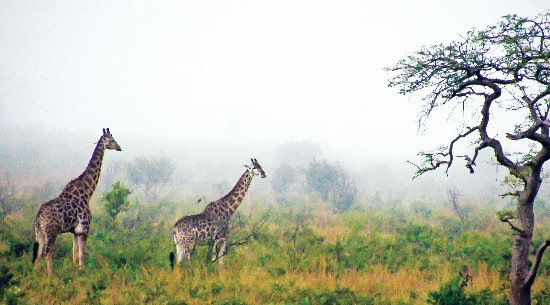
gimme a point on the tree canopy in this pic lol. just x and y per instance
(506, 66)
(148, 174)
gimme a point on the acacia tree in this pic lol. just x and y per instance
(500, 71)
(149, 174)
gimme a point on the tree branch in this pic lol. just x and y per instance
(538, 257)
(451, 146)
(514, 194)
(242, 241)
(507, 219)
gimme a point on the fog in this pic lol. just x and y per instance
(211, 84)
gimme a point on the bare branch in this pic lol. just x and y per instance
(507, 220)
(513, 194)
(538, 257)
(451, 146)
(241, 241)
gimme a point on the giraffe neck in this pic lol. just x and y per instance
(228, 204)
(82, 188)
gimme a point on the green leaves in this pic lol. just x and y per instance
(506, 214)
(509, 53)
(116, 200)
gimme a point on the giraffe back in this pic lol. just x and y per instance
(200, 229)
(62, 215)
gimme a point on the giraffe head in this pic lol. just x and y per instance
(108, 140)
(255, 168)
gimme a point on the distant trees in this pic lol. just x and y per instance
(116, 201)
(327, 179)
(283, 178)
(8, 202)
(149, 174)
(453, 198)
(499, 73)
(332, 183)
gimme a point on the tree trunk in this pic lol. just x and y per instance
(520, 270)
(520, 292)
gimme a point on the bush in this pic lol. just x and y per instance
(453, 293)
(5, 278)
(339, 296)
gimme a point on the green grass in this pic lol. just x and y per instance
(399, 255)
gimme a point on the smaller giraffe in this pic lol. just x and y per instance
(69, 212)
(212, 224)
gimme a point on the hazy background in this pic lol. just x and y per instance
(211, 84)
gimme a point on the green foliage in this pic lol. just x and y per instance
(454, 293)
(506, 214)
(10, 293)
(338, 296)
(5, 278)
(116, 200)
(542, 297)
(296, 258)
(513, 182)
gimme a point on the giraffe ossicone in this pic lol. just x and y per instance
(69, 212)
(211, 226)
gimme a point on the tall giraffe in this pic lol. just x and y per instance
(212, 224)
(69, 212)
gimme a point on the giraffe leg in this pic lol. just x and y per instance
(215, 250)
(180, 253)
(75, 250)
(49, 261)
(221, 253)
(82, 249)
(48, 252)
(185, 254)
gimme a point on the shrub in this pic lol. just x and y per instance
(453, 293)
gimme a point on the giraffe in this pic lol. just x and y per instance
(212, 224)
(69, 212)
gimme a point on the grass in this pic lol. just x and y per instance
(364, 256)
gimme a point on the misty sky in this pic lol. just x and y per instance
(239, 72)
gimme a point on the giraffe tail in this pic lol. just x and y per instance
(34, 251)
(39, 239)
(172, 260)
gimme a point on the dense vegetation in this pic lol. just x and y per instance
(376, 252)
